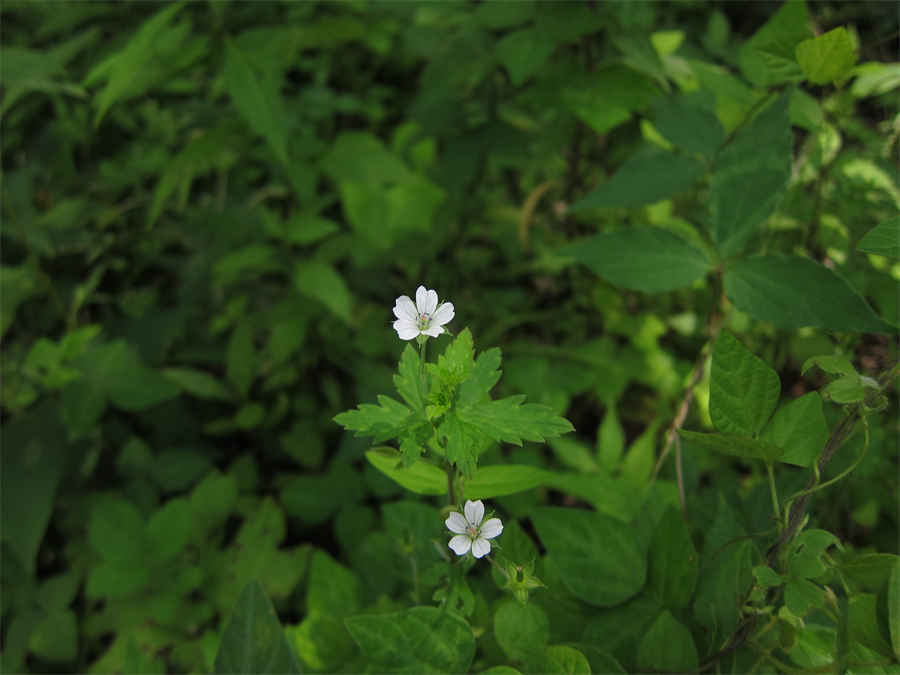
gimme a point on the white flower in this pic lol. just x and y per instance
(424, 317)
(471, 532)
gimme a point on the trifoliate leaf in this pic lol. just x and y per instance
(382, 421)
(510, 421)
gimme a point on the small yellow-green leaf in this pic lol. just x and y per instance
(827, 58)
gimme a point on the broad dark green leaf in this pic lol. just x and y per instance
(799, 428)
(647, 177)
(116, 531)
(893, 596)
(168, 529)
(55, 638)
(743, 390)
(523, 52)
(736, 446)
(565, 660)
(690, 126)
(254, 641)
(828, 57)
(420, 639)
(641, 258)
(599, 560)
(767, 58)
(750, 176)
(793, 292)
(240, 358)
(667, 647)
(864, 625)
(321, 282)
(673, 562)
(883, 239)
(522, 631)
(199, 383)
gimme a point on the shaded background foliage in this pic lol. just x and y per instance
(209, 208)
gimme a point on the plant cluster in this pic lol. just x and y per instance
(674, 225)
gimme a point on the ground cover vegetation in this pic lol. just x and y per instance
(634, 409)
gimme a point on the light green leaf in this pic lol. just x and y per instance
(646, 177)
(673, 563)
(420, 639)
(565, 659)
(504, 479)
(457, 362)
(799, 428)
(332, 588)
(257, 98)
(462, 442)
(408, 380)
(382, 421)
(640, 457)
(321, 282)
(510, 421)
(421, 477)
(792, 292)
(667, 647)
(254, 641)
(641, 258)
(199, 383)
(522, 631)
(749, 177)
(736, 446)
(827, 58)
(801, 596)
(863, 624)
(610, 439)
(743, 390)
(767, 58)
(597, 556)
(836, 364)
(883, 239)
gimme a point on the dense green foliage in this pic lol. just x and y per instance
(670, 233)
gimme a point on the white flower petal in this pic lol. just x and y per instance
(491, 528)
(406, 329)
(431, 302)
(405, 309)
(460, 544)
(443, 314)
(456, 523)
(481, 547)
(433, 330)
(421, 299)
(474, 512)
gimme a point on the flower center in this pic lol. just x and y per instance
(472, 531)
(424, 321)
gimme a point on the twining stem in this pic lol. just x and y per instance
(774, 492)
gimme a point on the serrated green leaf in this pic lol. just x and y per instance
(482, 379)
(646, 177)
(883, 239)
(750, 176)
(509, 421)
(641, 258)
(799, 428)
(457, 362)
(743, 390)
(827, 58)
(420, 477)
(792, 292)
(383, 421)
(461, 442)
(408, 380)
(736, 446)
